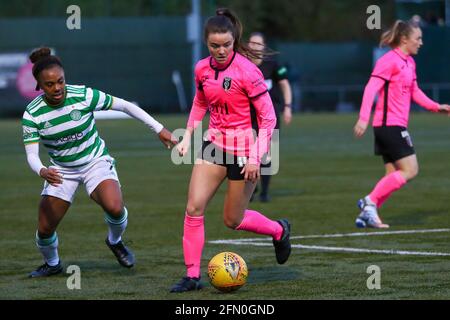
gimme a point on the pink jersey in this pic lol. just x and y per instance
(226, 91)
(394, 79)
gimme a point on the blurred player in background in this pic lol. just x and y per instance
(394, 80)
(227, 82)
(62, 119)
(277, 81)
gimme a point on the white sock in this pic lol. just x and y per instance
(49, 248)
(116, 226)
(369, 201)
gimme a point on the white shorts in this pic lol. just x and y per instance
(91, 176)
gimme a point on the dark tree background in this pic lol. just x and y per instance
(287, 20)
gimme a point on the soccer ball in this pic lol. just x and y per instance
(227, 271)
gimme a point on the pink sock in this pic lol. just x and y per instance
(382, 200)
(193, 241)
(386, 186)
(255, 222)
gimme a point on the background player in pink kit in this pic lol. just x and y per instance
(226, 84)
(394, 80)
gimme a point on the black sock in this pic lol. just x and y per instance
(265, 180)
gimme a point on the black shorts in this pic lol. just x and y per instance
(393, 143)
(234, 164)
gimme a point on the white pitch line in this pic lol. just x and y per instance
(339, 235)
(343, 249)
(358, 250)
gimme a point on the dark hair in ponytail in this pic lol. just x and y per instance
(226, 21)
(42, 59)
(399, 29)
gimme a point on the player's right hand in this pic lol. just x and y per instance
(251, 172)
(167, 138)
(52, 176)
(360, 128)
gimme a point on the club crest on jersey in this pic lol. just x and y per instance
(226, 85)
(75, 115)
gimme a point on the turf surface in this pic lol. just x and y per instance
(323, 172)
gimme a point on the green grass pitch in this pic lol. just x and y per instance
(323, 172)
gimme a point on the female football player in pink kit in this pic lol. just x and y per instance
(227, 82)
(394, 80)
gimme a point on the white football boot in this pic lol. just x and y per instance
(368, 218)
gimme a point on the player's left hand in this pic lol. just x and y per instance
(360, 128)
(287, 115)
(167, 138)
(251, 172)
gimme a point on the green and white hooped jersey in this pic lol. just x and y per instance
(68, 130)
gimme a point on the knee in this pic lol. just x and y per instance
(114, 208)
(46, 228)
(231, 223)
(45, 232)
(411, 173)
(194, 210)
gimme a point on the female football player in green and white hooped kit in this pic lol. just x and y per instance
(62, 119)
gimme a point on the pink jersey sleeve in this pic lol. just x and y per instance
(267, 120)
(254, 84)
(199, 105)
(380, 74)
(383, 68)
(372, 88)
(421, 98)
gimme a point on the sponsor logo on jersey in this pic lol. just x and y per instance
(72, 137)
(256, 83)
(47, 125)
(219, 107)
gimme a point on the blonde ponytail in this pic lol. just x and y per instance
(399, 29)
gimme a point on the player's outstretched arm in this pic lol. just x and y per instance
(419, 97)
(134, 111)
